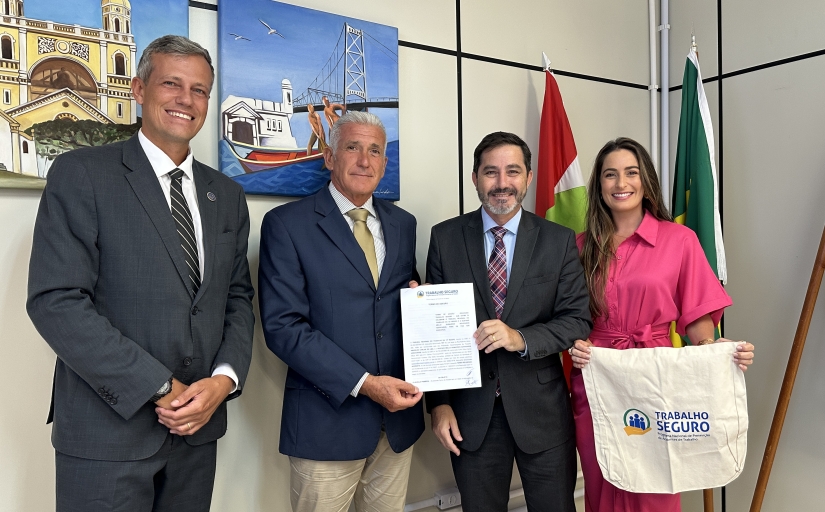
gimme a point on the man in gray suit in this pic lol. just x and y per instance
(139, 282)
(531, 303)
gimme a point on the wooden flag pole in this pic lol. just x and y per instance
(790, 376)
(707, 495)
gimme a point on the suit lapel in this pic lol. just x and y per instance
(145, 184)
(392, 238)
(474, 242)
(523, 253)
(209, 212)
(339, 232)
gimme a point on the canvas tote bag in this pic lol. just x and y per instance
(668, 420)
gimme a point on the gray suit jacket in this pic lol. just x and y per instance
(107, 291)
(546, 300)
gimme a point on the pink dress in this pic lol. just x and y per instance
(660, 274)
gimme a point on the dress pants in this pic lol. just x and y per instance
(483, 476)
(178, 478)
(375, 484)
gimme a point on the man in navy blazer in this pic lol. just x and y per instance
(146, 358)
(330, 309)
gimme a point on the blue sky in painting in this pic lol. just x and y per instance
(150, 18)
(255, 68)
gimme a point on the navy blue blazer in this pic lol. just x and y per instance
(323, 316)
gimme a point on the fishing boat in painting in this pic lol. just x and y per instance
(259, 158)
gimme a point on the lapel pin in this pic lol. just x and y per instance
(210, 196)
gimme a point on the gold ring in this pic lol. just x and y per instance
(189, 425)
(494, 338)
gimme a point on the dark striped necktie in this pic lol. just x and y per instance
(186, 230)
(497, 272)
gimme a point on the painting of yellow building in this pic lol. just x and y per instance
(53, 71)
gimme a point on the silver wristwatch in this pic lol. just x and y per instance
(163, 391)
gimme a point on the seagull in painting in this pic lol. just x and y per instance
(236, 36)
(271, 30)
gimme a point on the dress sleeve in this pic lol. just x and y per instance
(698, 292)
(580, 241)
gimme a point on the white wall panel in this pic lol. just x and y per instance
(759, 31)
(774, 162)
(607, 39)
(428, 131)
(697, 17)
(27, 470)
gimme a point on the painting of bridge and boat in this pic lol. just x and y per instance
(286, 74)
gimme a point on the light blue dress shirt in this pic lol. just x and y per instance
(509, 238)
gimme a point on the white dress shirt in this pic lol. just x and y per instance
(163, 165)
(374, 225)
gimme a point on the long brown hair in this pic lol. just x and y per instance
(597, 251)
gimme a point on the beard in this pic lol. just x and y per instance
(494, 206)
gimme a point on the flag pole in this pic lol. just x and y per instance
(707, 494)
(790, 376)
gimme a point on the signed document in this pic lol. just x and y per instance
(440, 352)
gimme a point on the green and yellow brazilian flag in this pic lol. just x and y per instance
(695, 184)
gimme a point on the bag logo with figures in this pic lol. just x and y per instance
(690, 436)
(636, 423)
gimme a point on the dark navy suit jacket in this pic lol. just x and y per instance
(323, 316)
(546, 300)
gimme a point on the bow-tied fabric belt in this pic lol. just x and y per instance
(642, 337)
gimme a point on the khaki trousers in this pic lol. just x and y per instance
(376, 484)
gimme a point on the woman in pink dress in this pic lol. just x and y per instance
(643, 272)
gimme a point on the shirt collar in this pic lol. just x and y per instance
(648, 230)
(511, 225)
(346, 205)
(160, 161)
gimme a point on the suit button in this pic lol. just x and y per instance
(379, 298)
(379, 335)
(187, 361)
(113, 401)
(195, 310)
(492, 375)
(101, 391)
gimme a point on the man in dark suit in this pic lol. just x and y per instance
(531, 303)
(139, 282)
(331, 268)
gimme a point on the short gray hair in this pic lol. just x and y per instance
(355, 117)
(170, 45)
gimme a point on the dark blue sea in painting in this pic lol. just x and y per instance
(304, 178)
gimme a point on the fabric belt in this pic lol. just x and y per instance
(640, 338)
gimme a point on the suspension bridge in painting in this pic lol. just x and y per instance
(343, 77)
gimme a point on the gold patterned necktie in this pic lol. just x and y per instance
(364, 239)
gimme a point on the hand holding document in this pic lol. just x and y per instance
(438, 322)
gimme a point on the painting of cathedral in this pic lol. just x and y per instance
(65, 76)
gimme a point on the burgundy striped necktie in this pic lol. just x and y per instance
(497, 272)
